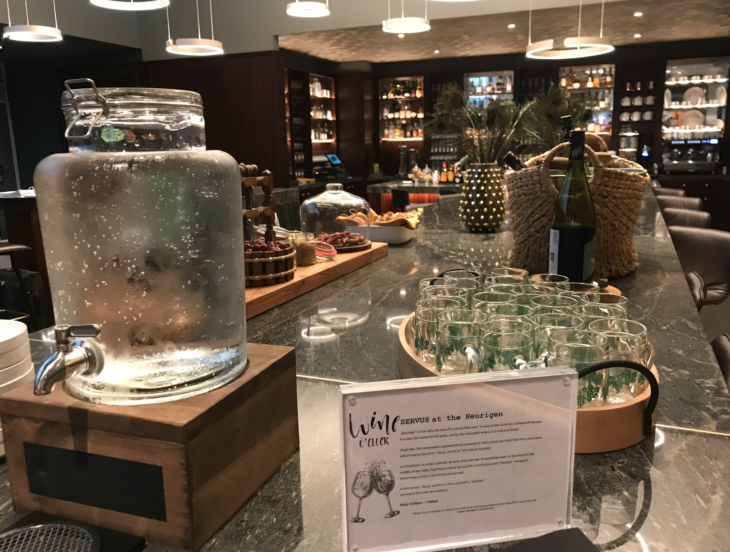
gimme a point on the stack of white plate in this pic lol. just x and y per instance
(16, 366)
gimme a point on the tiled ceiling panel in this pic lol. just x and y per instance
(663, 20)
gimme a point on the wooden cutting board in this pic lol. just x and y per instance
(307, 278)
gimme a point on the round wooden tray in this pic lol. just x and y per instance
(367, 244)
(598, 428)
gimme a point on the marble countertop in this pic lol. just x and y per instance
(412, 187)
(667, 494)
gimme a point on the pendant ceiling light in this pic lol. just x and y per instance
(406, 25)
(131, 5)
(32, 33)
(574, 47)
(194, 46)
(308, 9)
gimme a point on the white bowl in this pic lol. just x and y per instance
(393, 235)
(11, 358)
(13, 334)
(11, 373)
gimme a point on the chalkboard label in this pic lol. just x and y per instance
(123, 486)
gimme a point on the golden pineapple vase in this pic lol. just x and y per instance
(481, 208)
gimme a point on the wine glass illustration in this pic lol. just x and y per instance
(362, 487)
(384, 483)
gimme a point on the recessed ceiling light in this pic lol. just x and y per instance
(638, 14)
(637, 35)
(511, 26)
(401, 35)
(436, 52)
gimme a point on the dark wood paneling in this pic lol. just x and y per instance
(355, 119)
(243, 99)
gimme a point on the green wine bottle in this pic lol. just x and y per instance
(573, 233)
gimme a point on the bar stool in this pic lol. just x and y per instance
(10, 249)
(696, 288)
(721, 346)
(686, 217)
(694, 203)
(668, 192)
(706, 252)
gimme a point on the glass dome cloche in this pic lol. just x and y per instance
(335, 210)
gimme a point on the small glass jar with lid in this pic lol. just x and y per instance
(335, 211)
(306, 248)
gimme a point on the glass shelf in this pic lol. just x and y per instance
(695, 82)
(698, 106)
(484, 88)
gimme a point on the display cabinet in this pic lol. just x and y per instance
(594, 84)
(323, 116)
(299, 133)
(483, 88)
(442, 144)
(402, 109)
(694, 116)
(535, 81)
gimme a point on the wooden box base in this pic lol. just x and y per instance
(174, 472)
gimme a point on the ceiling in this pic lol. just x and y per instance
(663, 20)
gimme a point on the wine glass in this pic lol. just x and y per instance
(362, 487)
(384, 483)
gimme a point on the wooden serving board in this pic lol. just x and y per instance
(307, 278)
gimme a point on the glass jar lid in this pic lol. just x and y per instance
(132, 119)
(335, 211)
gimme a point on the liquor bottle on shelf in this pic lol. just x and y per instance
(573, 231)
(596, 79)
(500, 87)
(563, 78)
(444, 173)
(419, 90)
(609, 78)
(589, 78)
(490, 88)
(450, 174)
(510, 85)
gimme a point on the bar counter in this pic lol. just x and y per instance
(380, 196)
(669, 493)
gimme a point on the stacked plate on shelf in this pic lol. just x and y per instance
(16, 365)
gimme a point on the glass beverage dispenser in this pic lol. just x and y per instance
(143, 236)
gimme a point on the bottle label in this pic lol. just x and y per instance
(576, 152)
(573, 253)
(554, 249)
(589, 260)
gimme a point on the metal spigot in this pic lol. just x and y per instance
(77, 357)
